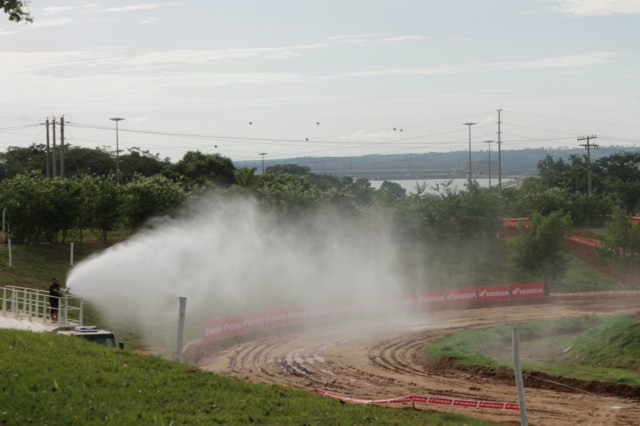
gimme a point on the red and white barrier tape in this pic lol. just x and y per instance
(470, 403)
(597, 293)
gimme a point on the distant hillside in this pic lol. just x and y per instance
(452, 164)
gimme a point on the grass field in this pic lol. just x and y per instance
(57, 380)
(585, 348)
(48, 379)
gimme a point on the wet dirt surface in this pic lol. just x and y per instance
(383, 358)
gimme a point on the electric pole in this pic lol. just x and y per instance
(469, 124)
(499, 154)
(588, 146)
(263, 154)
(48, 152)
(62, 147)
(489, 142)
(117, 120)
(53, 152)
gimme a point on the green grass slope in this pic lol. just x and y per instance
(585, 348)
(47, 379)
(33, 265)
(615, 343)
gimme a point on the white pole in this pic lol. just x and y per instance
(63, 310)
(4, 212)
(518, 372)
(181, 316)
(71, 261)
(10, 257)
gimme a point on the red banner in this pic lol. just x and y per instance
(232, 326)
(461, 295)
(527, 291)
(468, 403)
(494, 292)
(431, 298)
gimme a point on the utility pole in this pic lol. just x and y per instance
(469, 124)
(53, 152)
(117, 119)
(263, 154)
(588, 146)
(499, 154)
(62, 147)
(489, 142)
(48, 153)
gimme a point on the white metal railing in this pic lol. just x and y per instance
(33, 305)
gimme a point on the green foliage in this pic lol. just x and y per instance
(29, 200)
(140, 163)
(109, 205)
(622, 240)
(56, 380)
(616, 181)
(615, 343)
(48, 209)
(151, 196)
(246, 178)
(473, 213)
(78, 160)
(22, 160)
(620, 175)
(203, 170)
(361, 192)
(540, 248)
(535, 197)
(16, 10)
(558, 174)
(600, 349)
(289, 169)
(390, 193)
(85, 161)
(289, 195)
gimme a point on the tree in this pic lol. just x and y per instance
(22, 160)
(390, 193)
(151, 196)
(88, 161)
(289, 194)
(622, 240)
(26, 200)
(109, 205)
(361, 192)
(540, 249)
(138, 162)
(246, 177)
(290, 169)
(198, 169)
(16, 9)
(621, 175)
(553, 172)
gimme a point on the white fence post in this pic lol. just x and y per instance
(71, 260)
(518, 372)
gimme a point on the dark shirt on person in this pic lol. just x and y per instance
(55, 291)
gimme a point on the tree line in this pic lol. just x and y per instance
(90, 199)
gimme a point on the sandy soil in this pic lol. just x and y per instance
(382, 358)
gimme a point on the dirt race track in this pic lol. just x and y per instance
(378, 359)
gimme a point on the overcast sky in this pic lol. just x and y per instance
(255, 76)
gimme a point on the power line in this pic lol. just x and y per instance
(26, 126)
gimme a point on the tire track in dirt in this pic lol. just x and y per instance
(383, 358)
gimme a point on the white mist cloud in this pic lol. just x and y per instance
(598, 7)
(143, 6)
(228, 258)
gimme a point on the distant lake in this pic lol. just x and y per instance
(410, 184)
